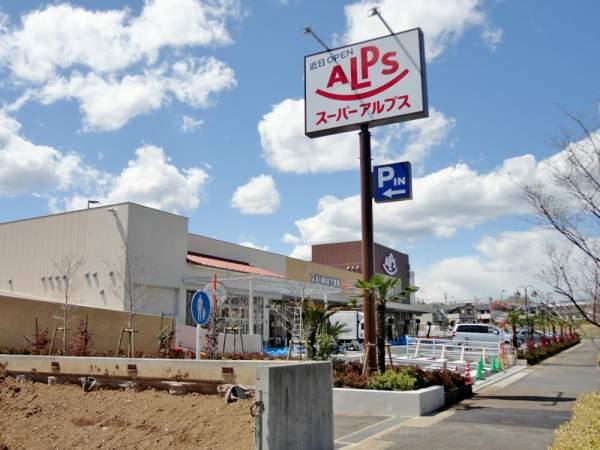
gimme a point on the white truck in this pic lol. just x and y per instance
(354, 327)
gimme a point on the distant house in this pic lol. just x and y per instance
(468, 313)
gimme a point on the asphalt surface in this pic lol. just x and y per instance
(508, 415)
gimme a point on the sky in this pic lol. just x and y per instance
(196, 107)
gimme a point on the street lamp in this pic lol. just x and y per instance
(533, 294)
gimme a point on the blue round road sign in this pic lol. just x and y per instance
(200, 308)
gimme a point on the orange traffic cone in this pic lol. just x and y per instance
(468, 374)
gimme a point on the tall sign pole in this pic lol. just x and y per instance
(358, 87)
(367, 250)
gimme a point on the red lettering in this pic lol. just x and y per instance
(391, 63)
(354, 84)
(366, 62)
(337, 76)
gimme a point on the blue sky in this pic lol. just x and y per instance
(96, 94)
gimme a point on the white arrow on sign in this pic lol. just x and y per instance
(391, 192)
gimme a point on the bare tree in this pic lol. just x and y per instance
(68, 268)
(134, 280)
(568, 201)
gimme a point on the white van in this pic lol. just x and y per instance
(479, 332)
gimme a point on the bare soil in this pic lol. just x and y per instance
(38, 416)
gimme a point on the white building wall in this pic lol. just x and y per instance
(157, 249)
(31, 249)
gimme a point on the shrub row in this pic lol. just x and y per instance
(536, 354)
(402, 378)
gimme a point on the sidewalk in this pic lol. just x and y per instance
(520, 415)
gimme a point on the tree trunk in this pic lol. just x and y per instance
(381, 337)
(65, 326)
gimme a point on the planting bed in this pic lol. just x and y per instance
(535, 354)
(35, 415)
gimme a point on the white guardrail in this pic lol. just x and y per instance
(445, 353)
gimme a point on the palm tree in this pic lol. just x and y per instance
(316, 324)
(514, 320)
(382, 288)
(313, 317)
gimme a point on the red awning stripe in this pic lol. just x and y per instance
(227, 265)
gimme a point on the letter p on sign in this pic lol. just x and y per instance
(384, 174)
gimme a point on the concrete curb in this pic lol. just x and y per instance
(513, 371)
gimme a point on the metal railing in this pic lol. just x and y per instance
(445, 353)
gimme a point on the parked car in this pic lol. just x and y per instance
(479, 332)
(523, 333)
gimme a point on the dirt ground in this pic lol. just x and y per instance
(38, 416)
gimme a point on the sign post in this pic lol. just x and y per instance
(357, 87)
(200, 309)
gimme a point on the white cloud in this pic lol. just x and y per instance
(258, 196)
(115, 65)
(302, 252)
(289, 238)
(501, 262)
(454, 198)
(67, 181)
(60, 36)
(26, 167)
(189, 124)
(109, 103)
(443, 21)
(451, 199)
(253, 245)
(152, 180)
(286, 148)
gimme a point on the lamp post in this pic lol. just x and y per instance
(534, 294)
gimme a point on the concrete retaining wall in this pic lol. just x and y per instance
(388, 403)
(234, 372)
(17, 321)
(298, 411)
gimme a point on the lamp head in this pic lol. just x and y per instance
(373, 12)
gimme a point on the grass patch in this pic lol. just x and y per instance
(583, 430)
(588, 330)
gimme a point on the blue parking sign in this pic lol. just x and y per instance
(392, 182)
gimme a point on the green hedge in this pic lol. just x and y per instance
(539, 353)
(583, 430)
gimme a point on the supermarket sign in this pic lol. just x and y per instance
(378, 82)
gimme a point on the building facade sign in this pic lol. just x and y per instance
(380, 81)
(389, 265)
(325, 280)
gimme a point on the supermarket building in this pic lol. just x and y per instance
(118, 246)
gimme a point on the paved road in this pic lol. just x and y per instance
(519, 415)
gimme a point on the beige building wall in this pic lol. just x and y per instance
(18, 320)
(300, 270)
